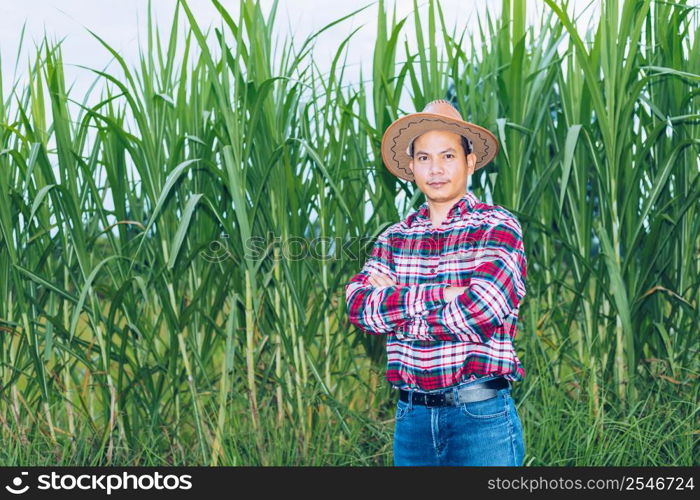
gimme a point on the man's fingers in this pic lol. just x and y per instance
(380, 279)
(383, 279)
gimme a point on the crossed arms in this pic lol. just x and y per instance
(431, 311)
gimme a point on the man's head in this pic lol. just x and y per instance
(437, 115)
(441, 156)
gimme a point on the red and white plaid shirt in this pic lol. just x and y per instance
(432, 343)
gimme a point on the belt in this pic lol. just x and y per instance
(467, 394)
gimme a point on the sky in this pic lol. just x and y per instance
(122, 24)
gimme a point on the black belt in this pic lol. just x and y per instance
(478, 391)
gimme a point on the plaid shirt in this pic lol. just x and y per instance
(432, 343)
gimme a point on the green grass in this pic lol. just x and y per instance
(124, 339)
(558, 431)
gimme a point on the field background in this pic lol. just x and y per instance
(174, 246)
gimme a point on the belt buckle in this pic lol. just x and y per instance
(463, 391)
(450, 398)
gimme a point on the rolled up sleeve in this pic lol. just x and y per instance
(495, 289)
(379, 310)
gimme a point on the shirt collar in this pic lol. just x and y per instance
(461, 208)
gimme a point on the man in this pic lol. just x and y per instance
(445, 285)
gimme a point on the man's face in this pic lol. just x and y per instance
(438, 156)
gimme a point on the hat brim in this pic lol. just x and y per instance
(403, 131)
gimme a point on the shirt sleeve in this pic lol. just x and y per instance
(495, 289)
(378, 310)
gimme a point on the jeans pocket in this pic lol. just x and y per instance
(402, 409)
(488, 408)
(517, 429)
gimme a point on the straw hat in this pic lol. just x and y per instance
(437, 115)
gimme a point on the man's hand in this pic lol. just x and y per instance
(380, 279)
(452, 291)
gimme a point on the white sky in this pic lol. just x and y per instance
(121, 23)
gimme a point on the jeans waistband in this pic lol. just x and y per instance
(477, 390)
(462, 384)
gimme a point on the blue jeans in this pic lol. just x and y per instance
(485, 432)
